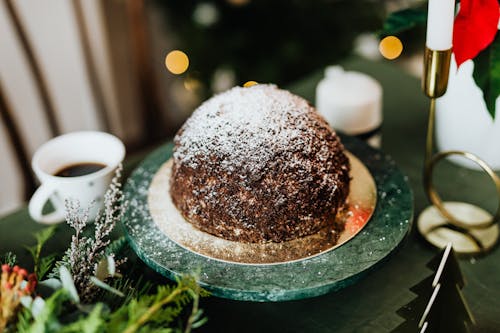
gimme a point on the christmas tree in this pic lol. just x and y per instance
(440, 305)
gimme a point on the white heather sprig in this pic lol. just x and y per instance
(113, 212)
(74, 217)
(85, 252)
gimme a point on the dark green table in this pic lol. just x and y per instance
(369, 305)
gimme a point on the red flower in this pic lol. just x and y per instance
(13, 286)
(475, 28)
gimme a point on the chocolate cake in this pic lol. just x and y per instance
(258, 164)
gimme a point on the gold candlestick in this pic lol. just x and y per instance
(436, 72)
(469, 228)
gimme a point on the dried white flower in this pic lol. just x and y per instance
(85, 252)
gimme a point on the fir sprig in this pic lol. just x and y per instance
(8, 258)
(158, 311)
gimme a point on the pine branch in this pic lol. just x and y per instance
(146, 313)
(44, 266)
(159, 310)
(93, 323)
(117, 246)
(130, 287)
(196, 318)
(8, 258)
(146, 316)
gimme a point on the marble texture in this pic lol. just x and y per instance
(310, 277)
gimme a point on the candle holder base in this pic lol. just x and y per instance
(435, 228)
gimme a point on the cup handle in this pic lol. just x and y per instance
(37, 202)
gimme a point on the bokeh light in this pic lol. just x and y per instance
(192, 83)
(390, 47)
(177, 62)
(238, 2)
(205, 14)
(250, 83)
(223, 79)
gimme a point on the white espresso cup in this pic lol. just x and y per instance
(77, 148)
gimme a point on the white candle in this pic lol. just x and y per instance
(352, 103)
(441, 14)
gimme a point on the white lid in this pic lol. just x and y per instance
(350, 101)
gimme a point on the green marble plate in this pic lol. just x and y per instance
(310, 277)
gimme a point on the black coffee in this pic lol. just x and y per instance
(79, 169)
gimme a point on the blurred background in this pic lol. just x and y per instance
(100, 64)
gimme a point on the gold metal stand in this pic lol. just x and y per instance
(469, 228)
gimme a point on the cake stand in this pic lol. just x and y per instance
(313, 276)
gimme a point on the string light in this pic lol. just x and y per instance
(390, 47)
(177, 62)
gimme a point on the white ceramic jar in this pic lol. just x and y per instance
(352, 103)
(463, 121)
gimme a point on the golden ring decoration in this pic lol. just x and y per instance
(436, 199)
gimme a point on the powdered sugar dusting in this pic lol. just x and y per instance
(267, 119)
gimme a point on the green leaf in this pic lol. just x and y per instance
(117, 246)
(41, 237)
(68, 284)
(46, 320)
(44, 235)
(200, 322)
(403, 20)
(26, 301)
(106, 268)
(24, 319)
(105, 286)
(197, 315)
(45, 265)
(37, 306)
(111, 265)
(487, 74)
(64, 261)
(52, 283)
(33, 251)
(93, 323)
(131, 287)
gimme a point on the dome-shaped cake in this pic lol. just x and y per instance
(258, 164)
